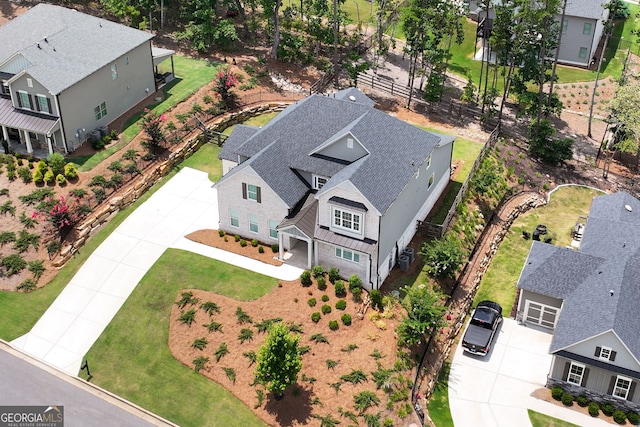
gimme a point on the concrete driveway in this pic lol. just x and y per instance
(495, 390)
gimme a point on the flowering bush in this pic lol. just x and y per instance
(62, 215)
(152, 125)
(225, 81)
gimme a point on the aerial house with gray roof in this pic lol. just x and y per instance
(590, 298)
(65, 74)
(344, 183)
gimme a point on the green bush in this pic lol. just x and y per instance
(305, 278)
(334, 274)
(557, 392)
(275, 248)
(49, 177)
(56, 162)
(619, 416)
(243, 243)
(322, 283)
(333, 325)
(346, 319)
(70, 171)
(376, 299)
(221, 233)
(325, 298)
(260, 249)
(607, 409)
(38, 177)
(25, 174)
(326, 309)
(594, 409)
(254, 243)
(633, 418)
(567, 399)
(14, 264)
(312, 302)
(341, 304)
(354, 282)
(582, 401)
(317, 271)
(42, 166)
(340, 289)
(60, 179)
(315, 317)
(236, 238)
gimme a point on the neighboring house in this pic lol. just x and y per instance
(65, 74)
(582, 28)
(590, 297)
(346, 182)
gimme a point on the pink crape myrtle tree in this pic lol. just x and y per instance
(225, 81)
(152, 125)
(61, 214)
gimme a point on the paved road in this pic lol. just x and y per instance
(495, 390)
(75, 320)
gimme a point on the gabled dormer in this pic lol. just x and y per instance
(345, 148)
(14, 65)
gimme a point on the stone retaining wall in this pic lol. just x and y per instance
(576, 391)
(135, 189)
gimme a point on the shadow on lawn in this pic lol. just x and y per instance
(292, 408)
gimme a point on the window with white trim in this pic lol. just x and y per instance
(348, 255)
(576, 371)
(24, 100)
(43, 104)
(273, 232)
(234, 218)
(583, 53)
(252, 192)
(253, 223)
(347, 220)
(4, 88)
(586, 30)
(565, 25)
(428, 162)
(622, 387)
(430, 183)
(606, 353)
(100, 111)
(114, 71)
(319, 181)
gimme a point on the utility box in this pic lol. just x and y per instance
(410, 252)
(404, 263)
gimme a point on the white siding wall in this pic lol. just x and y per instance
(608, 339)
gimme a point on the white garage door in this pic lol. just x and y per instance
(540, 314)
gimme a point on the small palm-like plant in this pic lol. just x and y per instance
(319, 338)
(200, 363)
(210, 307)
(376, 354)
(349, 348)
(265, 324)
(186, 298)
(327, 420)
(372, 420)
(245, 335)
(252, 356)
(221, 351)
(348, 415)
(187, 317)
(382, 378)
(365, 399)
(214, 326)
(27, 221)
(200, 343)
(331, 364)
(354, 377)
(336, 386)
(295, 327)
(242, 316)
(230, 373)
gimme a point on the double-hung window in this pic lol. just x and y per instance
(576, 371)
(586, 30)
(234, 218)
(347, 220)
(100, 111)
(24, 100)
(273, 232)
(253, 223)
(114, 71)
(43, 104)
(605, 353)
(251, 192)
(430, 183)
(622, 387)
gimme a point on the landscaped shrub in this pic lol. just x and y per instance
(56, 162)
(315, 317)
(357, 294)
(317, 271)
(633, 418)
(243, 243)
(354, 282)
(333, 325)
(607, 409)
(260, 249)
(305, 278)
(25, 174)
(254, 243)
(275, 248)
(376, 299)
(60, 179)
(221, 233)
(322, 283)
(326, 309)
(14, 264)
(325, 298)
(341, 304)
(311, 302)
(236, 238)
(340, 289)
(557, 392)
(594, 409)
(49, 177)
(346, 319)
(567, 399)
(333, 274)
(38, 177)
(582, 401)
(619, 416)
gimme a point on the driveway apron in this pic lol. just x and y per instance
(75, 320)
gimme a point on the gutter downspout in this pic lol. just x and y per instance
(64, 137)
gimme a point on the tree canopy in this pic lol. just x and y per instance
(279, 360)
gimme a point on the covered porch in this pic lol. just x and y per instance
(159, 56)
(28, 133)
(300, 227)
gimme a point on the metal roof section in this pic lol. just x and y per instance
(305, 221)
(160, 55)
(29, 121)
(323, 234)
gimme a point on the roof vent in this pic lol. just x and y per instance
(628, 208)
(38, 44)
(45, 39)
(352, 98)
(611, 292)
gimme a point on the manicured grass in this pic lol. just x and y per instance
(206, 160)
(438, 405)
(258, 121)
(560, 216)
(191, 75)
(132, 358)
(541, 420)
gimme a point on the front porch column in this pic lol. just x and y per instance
(280, 247)
(368, 278)
(310, 252)
(27, 140)
(50, 144)
(316, 251)
(5, 134)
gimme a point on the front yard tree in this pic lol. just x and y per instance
(425, 312)
(152, 125)
(279, 360)
(443, 257)
(624, 111)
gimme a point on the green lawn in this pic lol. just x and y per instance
(560, 216)
(439, 402)
(132, 358)
(542, 420)
(258, 121)
(206, 160)
(191, 75)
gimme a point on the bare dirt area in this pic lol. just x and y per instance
(364, 345)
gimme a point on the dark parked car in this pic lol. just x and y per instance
(482, 328)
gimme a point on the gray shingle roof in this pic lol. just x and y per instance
(83, 44)
(396, 149)
(591, 9)
(608, 260)
(239, 135)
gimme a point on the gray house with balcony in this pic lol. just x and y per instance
(589, 298)
(65, 74)
(343, 183)
(582, 27)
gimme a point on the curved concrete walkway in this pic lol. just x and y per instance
(75, 320)
(495, 390)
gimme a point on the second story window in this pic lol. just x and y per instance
(251, 192)
(605, 353)
(319, 182)
(348, 220)
(24, 100)
(43, 104)
(114, 71)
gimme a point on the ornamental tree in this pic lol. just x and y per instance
(279, 360)
(62, 215)
(443, 257)
(152, 125)
(225, 81)
(425, 312)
